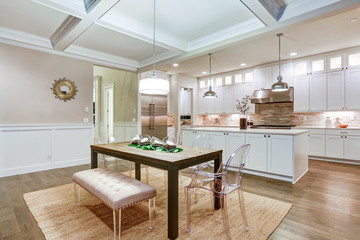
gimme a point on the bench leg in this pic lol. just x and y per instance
(152, 212)
(77, 193)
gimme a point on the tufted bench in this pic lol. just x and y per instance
(115, 190)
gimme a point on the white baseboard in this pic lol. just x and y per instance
(42, 167)
(338, 160)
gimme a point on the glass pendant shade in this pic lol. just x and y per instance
(154, 86)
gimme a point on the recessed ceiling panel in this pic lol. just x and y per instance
(186, 19)
(108, 41)
(30, 17)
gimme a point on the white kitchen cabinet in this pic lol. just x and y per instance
(206, 105)
(188, 137)
(336, 62)
(228, 96)
(335, 90)
(219, 141)
(240, 91)
(219, 101)
(318, 96)
(334, 146)
(257, 158)
(317, 145)
(352, 89)
(316, 65)
(185, 102)
(287, 73)
(301, 94)
(280, 154)
(352, 60)
(352, 147)
(234, 141)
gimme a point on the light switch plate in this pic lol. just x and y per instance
(86, 120)
(86, 109)
(352, 117)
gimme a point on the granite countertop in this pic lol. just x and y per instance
(249, 130)
(323, 127)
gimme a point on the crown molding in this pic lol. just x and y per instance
(70, 55)
(226, 33)
(85, 52)
(28, 38)
(159, 57)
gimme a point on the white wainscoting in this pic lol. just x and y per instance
(31, 148)
(125, 131)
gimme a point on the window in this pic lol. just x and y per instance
(210, 82)
(228, 80)
(219, 81)
(354, 59)
(202, 84)
(249, 77)
(318, 65)
(238, 78)
(335, 62)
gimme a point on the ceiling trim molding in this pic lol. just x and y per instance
(69, 7)
(28, 38)
(70, 55)
(69, 23)
(159, 57)
(226, 33)
(101, 56)
(177, 45)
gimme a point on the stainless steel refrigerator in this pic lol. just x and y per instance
(154, 115)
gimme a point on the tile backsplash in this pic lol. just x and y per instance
(281, 113)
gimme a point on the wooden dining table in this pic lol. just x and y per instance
(171, 162)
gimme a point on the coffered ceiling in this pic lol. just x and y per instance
(120, 33)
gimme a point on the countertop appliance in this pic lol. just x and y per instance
(154, 115)
(269, 96)
(273, 126)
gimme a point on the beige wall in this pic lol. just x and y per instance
(25, 94)
(125, 92)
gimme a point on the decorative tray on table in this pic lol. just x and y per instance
(154, 144)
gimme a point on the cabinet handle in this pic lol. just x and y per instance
(268, 136)
(346, 68)
(345, 136)
(264, 135)
(224, 133)
(341, 136)
(342, 69)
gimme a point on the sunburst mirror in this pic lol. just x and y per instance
(64, 89)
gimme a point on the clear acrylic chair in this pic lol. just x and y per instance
(228, 185)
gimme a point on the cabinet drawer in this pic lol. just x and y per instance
(344, 131)
(316, 131)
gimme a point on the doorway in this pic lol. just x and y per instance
(108, 110)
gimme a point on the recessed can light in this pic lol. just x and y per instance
(243, 64)
(353, 20)
(293, 54)
(204, 72)
(175, 65)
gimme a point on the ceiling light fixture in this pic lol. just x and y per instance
(279, 85)
(353, 20)
(210, 93)
(243, 64)
(293, 54)
(154, 85)
(175, 65)
(204, 72)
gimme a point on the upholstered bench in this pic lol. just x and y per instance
(115, 190)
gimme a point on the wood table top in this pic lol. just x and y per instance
(189, 154)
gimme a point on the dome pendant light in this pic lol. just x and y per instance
(210, 93)
(279, 85)
(154, 85)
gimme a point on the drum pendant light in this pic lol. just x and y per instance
(279, 85)
(154, 85)
(210, 93)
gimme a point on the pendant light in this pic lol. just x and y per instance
(154, 85)
(210, 93)
(279, 85)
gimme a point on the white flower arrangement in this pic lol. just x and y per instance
(243, 106)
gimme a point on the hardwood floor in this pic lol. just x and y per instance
(326, 201)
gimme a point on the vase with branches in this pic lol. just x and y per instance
(243, 107)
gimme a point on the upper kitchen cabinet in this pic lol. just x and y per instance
(352, 60)
(301, 93)
(240, 91)
(311, 66)
(206, 105)
(266, 76)
(185, 102)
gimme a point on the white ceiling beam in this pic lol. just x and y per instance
(259, 11)
(274, 8)
(96, 13)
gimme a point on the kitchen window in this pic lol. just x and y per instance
(318, 66)
(335, 62)
(238, 78)
(228, 80)
(354, 59)
(249, 77)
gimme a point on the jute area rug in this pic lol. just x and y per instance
(59, 218)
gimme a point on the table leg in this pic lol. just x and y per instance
(138, 171)
(94, 159)
(173, 203)
(217, 163)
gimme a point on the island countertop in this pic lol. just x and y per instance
(249, 130)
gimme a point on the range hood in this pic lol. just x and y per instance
(269, 96)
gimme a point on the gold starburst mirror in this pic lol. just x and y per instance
(64, 89)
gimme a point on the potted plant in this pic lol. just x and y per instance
(243, 107)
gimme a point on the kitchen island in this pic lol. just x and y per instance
(275, 153)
